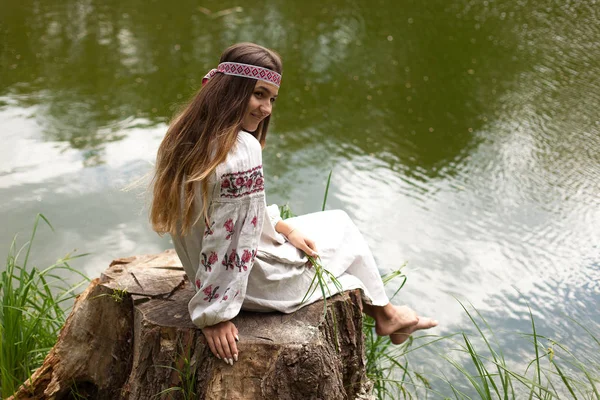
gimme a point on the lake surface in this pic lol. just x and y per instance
(463, 137)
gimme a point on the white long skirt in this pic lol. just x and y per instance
(281, 276)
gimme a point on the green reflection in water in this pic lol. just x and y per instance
(396, 78)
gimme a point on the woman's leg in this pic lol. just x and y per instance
(344, 250)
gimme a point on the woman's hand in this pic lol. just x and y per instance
(303, 243)
(221, 339)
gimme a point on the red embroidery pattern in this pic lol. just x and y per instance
(209, 261)
(210, 293)
(254, 221)
(209, 229)
(250, 71)
(229, 227)
(229, 261)
(198, 283)
(234, 260)
(246, 257)
(224, 297)
(237, 184)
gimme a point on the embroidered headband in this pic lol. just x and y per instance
(246, 71)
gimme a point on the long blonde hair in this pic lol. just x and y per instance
(199, 139)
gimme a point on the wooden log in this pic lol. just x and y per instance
(129, 336)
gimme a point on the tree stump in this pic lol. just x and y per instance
(129, 336)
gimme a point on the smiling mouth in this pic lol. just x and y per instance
(257, 117)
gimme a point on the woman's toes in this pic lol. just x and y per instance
(426, 323)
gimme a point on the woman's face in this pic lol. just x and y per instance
(260, 105)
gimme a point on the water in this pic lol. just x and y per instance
(463, 136)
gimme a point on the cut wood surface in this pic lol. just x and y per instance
(129, 336)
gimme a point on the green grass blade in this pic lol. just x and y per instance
(31, 314)
(537, 354)
(35, 225)
(564, 379)
(326, 190)
(594, 338)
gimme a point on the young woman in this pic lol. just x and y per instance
(209, 195)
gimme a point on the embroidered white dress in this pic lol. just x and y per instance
(240, 262)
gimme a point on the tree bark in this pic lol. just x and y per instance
(129, 336)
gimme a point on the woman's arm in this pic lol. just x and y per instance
(283, 227)
(297, 238)
(226, 258)
(228, 246)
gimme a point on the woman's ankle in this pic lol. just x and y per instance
(369, 310)
(388, 311)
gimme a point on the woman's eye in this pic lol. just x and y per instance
(272, 100)
(258, 94)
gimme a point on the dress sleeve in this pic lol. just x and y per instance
(230, 242)
(274, 215)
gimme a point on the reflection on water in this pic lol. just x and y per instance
(463, 136)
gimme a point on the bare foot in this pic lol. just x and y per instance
(395, 318)
(401, 335)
